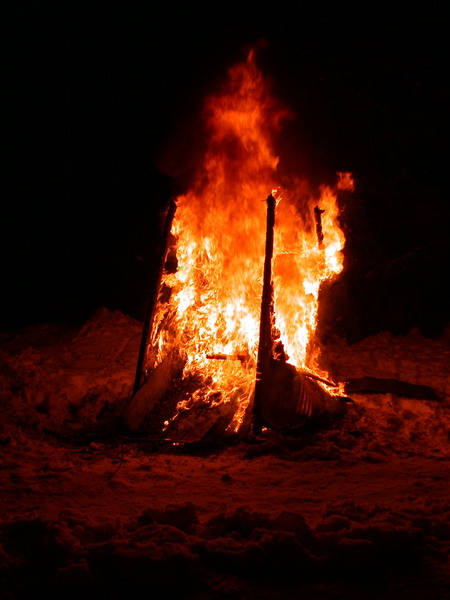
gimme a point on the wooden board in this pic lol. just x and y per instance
(150, 393)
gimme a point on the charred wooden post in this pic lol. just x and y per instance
(266, 320)
(153, 294)
(285, 397)
(318, 218)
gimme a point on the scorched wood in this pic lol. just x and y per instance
(285, 397)
(150, 393)
(291, 399)
(374, 385)
(265, 354)
(153, 295)
(319, 231)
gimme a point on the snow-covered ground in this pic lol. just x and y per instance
(357, 509)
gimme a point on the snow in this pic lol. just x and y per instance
(357, 508)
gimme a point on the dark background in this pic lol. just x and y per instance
(100, 122)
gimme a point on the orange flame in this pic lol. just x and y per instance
(215, 294)
(345, 181)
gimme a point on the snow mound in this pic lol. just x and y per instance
(358, 508)
(171, 552)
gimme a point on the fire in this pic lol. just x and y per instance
(210, 303)
(345, 182)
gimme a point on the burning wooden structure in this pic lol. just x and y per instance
(230, 328)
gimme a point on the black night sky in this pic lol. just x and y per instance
(96, 101)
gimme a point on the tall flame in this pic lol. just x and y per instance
(211, 303)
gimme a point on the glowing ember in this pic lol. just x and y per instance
(210, 306)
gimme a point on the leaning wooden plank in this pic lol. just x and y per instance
(202, 423)
(151, 302)
(373, 385)
(150, 393)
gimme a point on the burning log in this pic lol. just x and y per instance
(155, 285)
(210, 303)
(310, 375)
(319, 231)
(203, 421)
(285, 397)
(243, 358)
(291, 399)
(265, 355)
(146, 395)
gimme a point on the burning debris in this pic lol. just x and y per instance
(235, 309)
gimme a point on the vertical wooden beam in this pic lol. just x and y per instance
(318, 218)
(266, 321)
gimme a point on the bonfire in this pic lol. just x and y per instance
(230, 351)
(235, 311)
